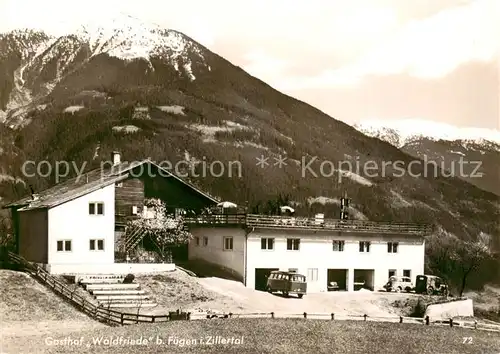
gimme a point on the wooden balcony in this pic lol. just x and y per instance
(217, 220)
(287, 222)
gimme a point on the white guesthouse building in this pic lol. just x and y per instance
(74, 227)
(354, 254)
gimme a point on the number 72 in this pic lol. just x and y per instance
(467, 340)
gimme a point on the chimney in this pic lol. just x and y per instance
(115, 157)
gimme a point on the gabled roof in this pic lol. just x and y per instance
(90, 182)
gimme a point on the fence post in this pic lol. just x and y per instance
(189, 316)
(365, 315)
(475, 324)
(153, 319)
(272, 314)
(83, 304)
(451, 322)
(333, 316)
(121, 318)
(305, 315)
(427, 320)
(400, 319)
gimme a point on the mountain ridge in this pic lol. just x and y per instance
(408, 130)
(148, 108)
(446, 145)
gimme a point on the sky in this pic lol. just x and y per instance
(356, 60)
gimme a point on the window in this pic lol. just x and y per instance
(338, 246)
(134, 210)
(119, 185)
(298, 278)
(312, 274)
(407, 273)
(197, 240)
(267, 243)
(364, 246)
(392, 247)
(292, 244)
(64, 246)
(228, 243)
(96, 208)
(392, 272)
(205, 241)
(293, 270)
(96, 245)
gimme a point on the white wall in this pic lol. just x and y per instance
(72, 221)
(316, 251)
(447, 310)
(115, 268)
(214, 251)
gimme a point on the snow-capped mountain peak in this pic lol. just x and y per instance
(402, 132)
(126, 37)
(42, 61)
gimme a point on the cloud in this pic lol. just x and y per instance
(429, 48)
(261, 64)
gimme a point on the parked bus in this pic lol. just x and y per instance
(287, 283)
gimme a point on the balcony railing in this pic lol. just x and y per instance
(217, 219)
(280, 222)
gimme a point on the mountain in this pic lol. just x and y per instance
(151, 92)
(472, 154)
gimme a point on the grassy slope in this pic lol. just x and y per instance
(279, 336)
(27, 307)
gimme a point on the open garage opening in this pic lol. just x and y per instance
(364, 279)
(261, 275)
(337, 279)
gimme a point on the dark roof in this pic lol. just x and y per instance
(89, 182)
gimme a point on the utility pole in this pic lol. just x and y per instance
(344, 207)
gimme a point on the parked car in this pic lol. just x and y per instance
(287, 283)
(430, 285)
(399, 284)
(333, 286)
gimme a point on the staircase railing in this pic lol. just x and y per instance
(133, 238)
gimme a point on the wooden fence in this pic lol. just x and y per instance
(452, 322)
(99, 313)
(117, 318)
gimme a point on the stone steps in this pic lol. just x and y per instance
(117, 292)
(121, 297)
(132, 286)
(132, 302)
(110, 291)
(113, 305)
(99, 278)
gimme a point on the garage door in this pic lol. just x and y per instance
(261, 275)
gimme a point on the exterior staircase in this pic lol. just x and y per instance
(133, 236)
(110, 291)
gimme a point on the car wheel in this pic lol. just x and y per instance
(268, 289)
(398, 290)
(430, 290)
(285, 293)
(300, 296)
